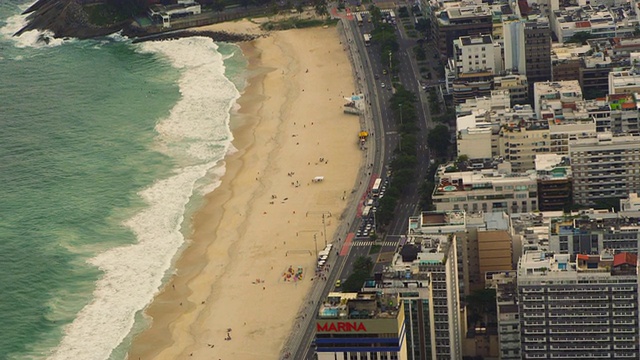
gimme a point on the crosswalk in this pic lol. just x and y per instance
(370, 242)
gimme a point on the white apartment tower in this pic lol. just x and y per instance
(604, 166)
(581, 309)
(477, 53)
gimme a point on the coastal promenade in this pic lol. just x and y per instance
(297, 344)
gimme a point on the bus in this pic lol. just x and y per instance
(367, 39)
(376, 186)
(359, 18)
(366, 212)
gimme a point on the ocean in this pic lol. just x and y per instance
(106, 150)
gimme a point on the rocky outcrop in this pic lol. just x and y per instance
(65, 18)
(215, 35)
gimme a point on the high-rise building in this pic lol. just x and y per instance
(604, 166)
(592, 231)
(361, 326)
(450, 23)
(537, 50)
(554, 182)
(527, 49)
(485, 189)
(424, 277)
(508, 315)
(582, 309)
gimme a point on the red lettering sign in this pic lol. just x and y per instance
(341, 326)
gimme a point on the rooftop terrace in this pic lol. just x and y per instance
(362, 305)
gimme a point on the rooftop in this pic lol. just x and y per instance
(362, 305)
(558, 89)
(452, 179)
(590, 221)
(545, 264)
(437, 222)
(476, 40)
(408, 263)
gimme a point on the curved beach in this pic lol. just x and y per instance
(262, 219)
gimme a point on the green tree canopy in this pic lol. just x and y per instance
(438, 140)
(580, 38)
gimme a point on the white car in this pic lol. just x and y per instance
(383, 85)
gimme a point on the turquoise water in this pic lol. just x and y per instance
(105, 149)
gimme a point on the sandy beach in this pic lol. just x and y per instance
(261, 221)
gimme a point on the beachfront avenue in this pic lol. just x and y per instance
(370, 73)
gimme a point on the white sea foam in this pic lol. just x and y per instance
(33, 38)
(197, 134)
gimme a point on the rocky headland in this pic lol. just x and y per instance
(69, 19)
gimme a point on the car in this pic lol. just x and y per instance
(376, 76)
(383, 85)
(384, 71)
(338, 283)
(365, 233)
(359, 233)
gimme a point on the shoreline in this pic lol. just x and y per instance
(226, 262)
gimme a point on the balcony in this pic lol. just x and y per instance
(579, 339)
(623, 306)
(580, 347)
(624, 330)
(535, 347)
(625, 355)
(598, 330)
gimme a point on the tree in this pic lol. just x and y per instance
(363, 264)
(438, 140)
(218, 5)
(128, 8)
(386, 207)
(362, 268)
(481, 305)
(404, 161)
(580, 38)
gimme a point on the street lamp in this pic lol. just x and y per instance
(324, 224)
(315, 240)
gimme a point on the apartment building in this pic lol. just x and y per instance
(566, 60)
(517, 85)
(454, 20)
(486, 246)
(604, 166)
(585, 308)
(423, 275)
(476, 59)
(527, 48)
(489, 189)
(596, 20)
(624, 82)
(520, 143)
(361, 326)
(507, 314)
(616, 113)
(592, 231)
(477, 53)
(554, 182)
(554, 96)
